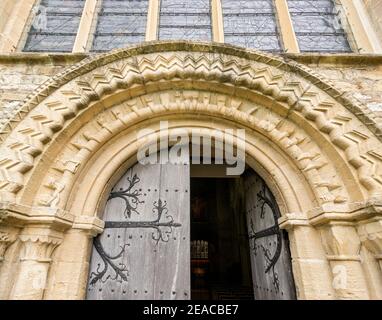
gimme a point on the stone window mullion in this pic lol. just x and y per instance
(364, 35)
(286, 27)
(217, 21)
(152, 20)
(84, 29)
(14, 31)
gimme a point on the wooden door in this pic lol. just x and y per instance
(269, 247)
(144, 251)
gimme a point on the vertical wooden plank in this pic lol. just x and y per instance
(271, 262)
(142, 249)
(154, 249)
(172, 273)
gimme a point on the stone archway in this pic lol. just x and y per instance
(63, 149)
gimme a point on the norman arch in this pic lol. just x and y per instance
(318, 151)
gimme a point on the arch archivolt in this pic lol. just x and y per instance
(316, 111)
(197, 109)
(70, 141)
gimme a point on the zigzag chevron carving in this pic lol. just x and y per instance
(298, 95)
(284, 133)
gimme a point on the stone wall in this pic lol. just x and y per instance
(20, 74)
(364, 81)
(359, 74)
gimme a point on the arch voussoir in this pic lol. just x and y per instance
(301, 151)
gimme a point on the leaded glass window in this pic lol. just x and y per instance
(54, 26)
(318, 26)
(185, 20)
(251, 24)
(120, 22)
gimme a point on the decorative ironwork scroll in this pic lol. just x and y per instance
(129, 196)
(121, 271)
(162, 229)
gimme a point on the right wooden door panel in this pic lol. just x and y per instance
(269, 248)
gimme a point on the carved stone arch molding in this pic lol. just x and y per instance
(319, 151)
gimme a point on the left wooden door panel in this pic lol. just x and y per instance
(144, 251)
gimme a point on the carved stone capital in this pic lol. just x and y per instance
(370, 233)
(6, 240)
(341, 241)
(38, 248)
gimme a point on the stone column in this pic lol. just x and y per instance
(5, 241)
(8, 235)
(38, 244)
(310, 267)
(370, 232)
(343, 245)
(70, 271)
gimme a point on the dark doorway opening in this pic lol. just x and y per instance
(220, 258)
